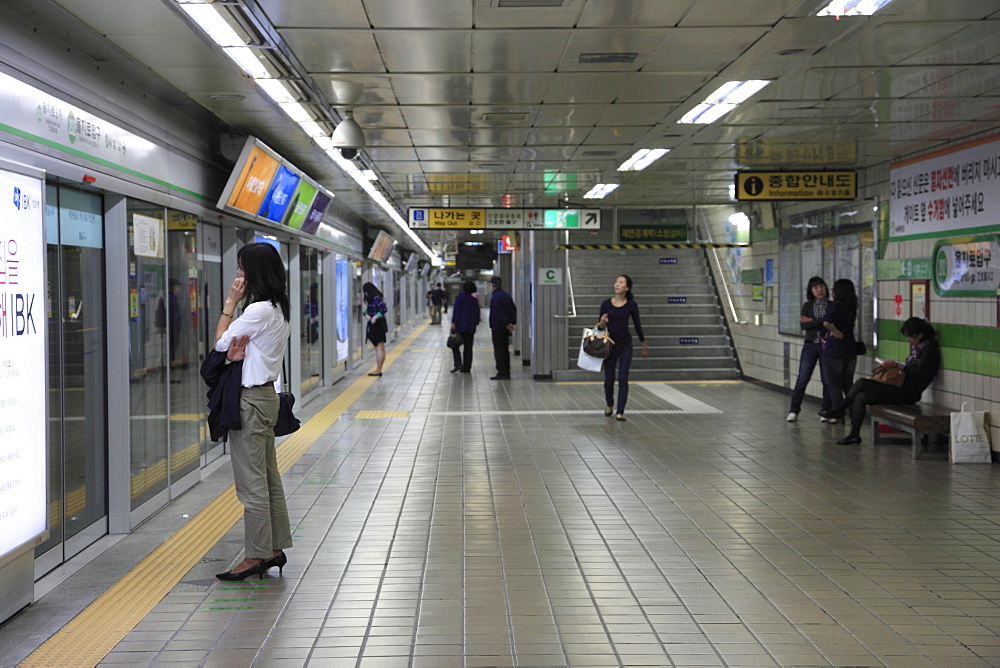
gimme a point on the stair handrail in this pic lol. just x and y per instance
(569, 282)
(722, 274)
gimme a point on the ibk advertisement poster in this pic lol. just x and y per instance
(23, 502)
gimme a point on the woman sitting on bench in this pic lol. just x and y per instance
(919, 370)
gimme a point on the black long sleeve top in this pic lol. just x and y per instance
(618, 321)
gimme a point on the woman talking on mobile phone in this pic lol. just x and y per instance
(258, 338)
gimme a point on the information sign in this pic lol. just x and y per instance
(814, 185)
(505, 219)
(967, 267)
(23, 419)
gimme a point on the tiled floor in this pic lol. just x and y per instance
(510, 523)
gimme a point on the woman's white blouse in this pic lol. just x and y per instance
(268, 332)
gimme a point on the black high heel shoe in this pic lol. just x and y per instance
(278, 561)
(608, 412)
(831, 413)
(257, 569)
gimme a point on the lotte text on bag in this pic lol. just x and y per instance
(588, 362)
(970, 437)
(597, 343)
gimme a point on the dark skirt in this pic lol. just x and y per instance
(377, 331)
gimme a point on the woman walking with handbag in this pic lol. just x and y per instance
(918, 371)
(464, 319)
(840, 352)
(615, 313)
(811, 321)
(378, 329)
(257, 337)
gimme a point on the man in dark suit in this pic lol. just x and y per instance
(503, 318)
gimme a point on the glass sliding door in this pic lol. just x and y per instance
(149, 352)
(211, 300)
(179, 313)
(311, 347)
(75, 310)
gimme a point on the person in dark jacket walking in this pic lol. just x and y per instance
(503, 319)
(919, 370)
(615, 313)
(811, 322)
(464, 319)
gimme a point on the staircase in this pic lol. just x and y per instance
(680, 311)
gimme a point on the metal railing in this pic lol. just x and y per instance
(722, 275)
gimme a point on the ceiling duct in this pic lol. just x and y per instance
(607, 58)
(504, 117)
(525, 4)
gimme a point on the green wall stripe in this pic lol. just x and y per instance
(766, 234)
(964, 348)
(100, 161)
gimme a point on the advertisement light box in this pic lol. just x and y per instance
(265, 186)
(23, 420)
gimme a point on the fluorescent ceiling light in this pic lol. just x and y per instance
(296, 112)
(840, 8)
(723, 100)
(313, 129)
(642, 159)
(276, 90)
(248, 61)
(370, 174)
(600, 190)
(375, 194)
(209, 20)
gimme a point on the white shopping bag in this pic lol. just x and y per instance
(585, 361)
(970, 437)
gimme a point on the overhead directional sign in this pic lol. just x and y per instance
(815, 185)
(505, 219)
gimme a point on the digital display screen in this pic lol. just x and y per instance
(316, 212)
(279, 195)
(301, 203)
(23, 419)
(251, 183)
(382, 248)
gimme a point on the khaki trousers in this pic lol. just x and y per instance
(255, 468)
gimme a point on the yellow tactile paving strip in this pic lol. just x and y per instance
(89, 636)
(375, 415)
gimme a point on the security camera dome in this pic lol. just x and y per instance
(349, 153)
(348, 134)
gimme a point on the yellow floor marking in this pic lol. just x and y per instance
(374, 415)
(89, 636)
(644, 382)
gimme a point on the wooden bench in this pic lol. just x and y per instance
(918, 420)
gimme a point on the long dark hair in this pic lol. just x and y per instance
(265, 276)
(813, 282)
(844, 293)
(919, 328)
(371, 292)
(628, 283)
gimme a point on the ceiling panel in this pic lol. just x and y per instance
(517, 51)
(701, 49)
(425, 50)
(643, 43)
(436, 14)
(355, 51)
(586, 87)
(311, 13)
(510, 88)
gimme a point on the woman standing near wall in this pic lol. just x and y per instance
(258, 338)
(811, 321)
(378, 329)
(840, 356)
(615, 313)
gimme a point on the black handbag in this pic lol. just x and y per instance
(287, 422)
(454, 341)
(860, 348)
(598, 344)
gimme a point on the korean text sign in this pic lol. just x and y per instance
(23, 420)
